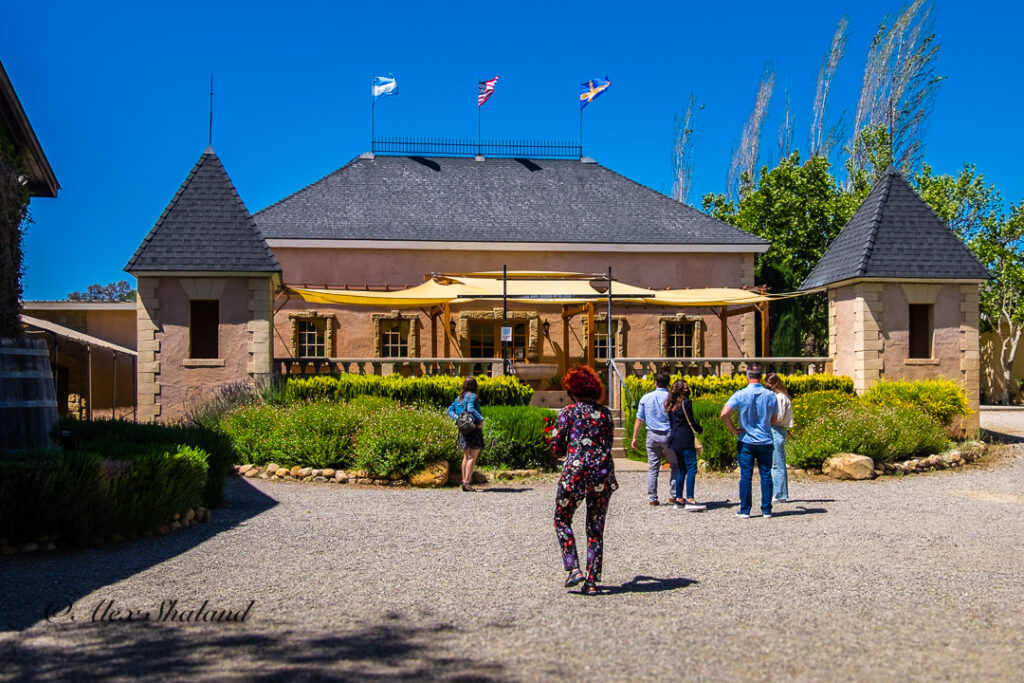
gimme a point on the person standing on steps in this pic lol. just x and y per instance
(781, 425)
(652, 413)
(583, 435)
(755, 406)
(471, 441)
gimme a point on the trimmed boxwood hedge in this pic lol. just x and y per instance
(120, 439)
(437, 391)
(65, 493)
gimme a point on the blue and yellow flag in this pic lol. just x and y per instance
(590, 90)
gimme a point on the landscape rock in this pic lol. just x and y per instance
(252, 474)
(481, 477)
(305, 472)
(295, 471)
(190, 514)
(272, 468)
(327, 472)
(341, 477)
(29, 547)
(175, 525)
(435, 474)
(244, 468)
(323, 479)
(849, 466)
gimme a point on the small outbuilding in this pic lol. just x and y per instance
(902, 294)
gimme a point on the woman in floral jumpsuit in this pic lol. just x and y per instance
(583, 435)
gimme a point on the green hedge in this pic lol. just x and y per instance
(883, 433)
(377, 435)
(516, 437)
(64, 492)
(942, 399)
(723, 387)
(437, 391)
(403, 440)
(123, 440)
(809, 408)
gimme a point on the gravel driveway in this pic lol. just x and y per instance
(917, 577)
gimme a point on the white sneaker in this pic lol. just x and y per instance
(767, 515)
(743, 515)
(780, 500)
(695, 507)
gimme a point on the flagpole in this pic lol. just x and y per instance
(478, 108)
(373, 110)
(581, 132)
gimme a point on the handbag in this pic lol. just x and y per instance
(697, 445)
(465, 422)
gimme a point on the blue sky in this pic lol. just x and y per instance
(118, 93)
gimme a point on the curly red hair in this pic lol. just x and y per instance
(583, 383)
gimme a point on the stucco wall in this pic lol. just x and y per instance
(401, 268)
(170, 382)
(869, 335)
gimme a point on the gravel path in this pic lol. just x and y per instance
(917, 577)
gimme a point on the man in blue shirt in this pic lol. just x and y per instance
(652, 413)
(755, 406)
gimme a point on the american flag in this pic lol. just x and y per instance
(486, 90)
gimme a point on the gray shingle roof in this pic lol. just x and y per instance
(895, 234)
(206, 227)
(494, 200)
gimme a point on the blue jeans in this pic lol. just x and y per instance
(748, 454)
(780, 480)
(687, 470)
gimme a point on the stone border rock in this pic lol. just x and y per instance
(53, 542)
(939, 461)
(434, 475)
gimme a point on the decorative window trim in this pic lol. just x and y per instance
(532, 318)
(329, 324)
(620, 332)
(413, 340)
(698, 332)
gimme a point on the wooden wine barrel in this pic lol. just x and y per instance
(28, 404)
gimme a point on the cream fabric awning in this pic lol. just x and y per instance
(532, 287)
(74, 335)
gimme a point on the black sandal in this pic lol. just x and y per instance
(575, 577)
(589, 588)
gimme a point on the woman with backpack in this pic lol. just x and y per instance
(465, 410)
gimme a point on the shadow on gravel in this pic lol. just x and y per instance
(389, 650)
(646, 584)
(799, 510)
(719, 504)
(504, 489)
(1000, 437)
(49, 581)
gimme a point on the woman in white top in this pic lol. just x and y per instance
(781, 425)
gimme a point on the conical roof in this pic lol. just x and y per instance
(206, 227)
(895, 234)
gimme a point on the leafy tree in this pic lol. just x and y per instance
(115, 291)
(1000, 246)
(964, 201)
(800, 207)
(14, 216)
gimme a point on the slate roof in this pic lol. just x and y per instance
(895, 234)
(494, 200)
(206, 227)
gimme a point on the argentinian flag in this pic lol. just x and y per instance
(384, 85)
